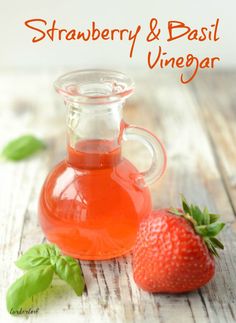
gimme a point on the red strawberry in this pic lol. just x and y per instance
(175, 249)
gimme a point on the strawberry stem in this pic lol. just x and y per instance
(204, 223)
(190, 218)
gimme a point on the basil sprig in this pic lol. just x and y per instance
(22, 147)
(40, 263)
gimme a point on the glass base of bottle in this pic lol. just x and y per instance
(93, 214)
(102, 256)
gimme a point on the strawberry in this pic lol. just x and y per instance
(175, 249)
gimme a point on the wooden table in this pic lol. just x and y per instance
(197, 123)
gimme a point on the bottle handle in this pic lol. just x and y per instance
(156, 149)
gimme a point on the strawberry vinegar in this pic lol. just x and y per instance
(92, 202)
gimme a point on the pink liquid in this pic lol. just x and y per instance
(90, 205)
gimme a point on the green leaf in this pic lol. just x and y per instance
(31, 283)
(204, 223)
(214, 217)
(37, 256)
(214, 228)
(69, 270)
(185, 204)
(22, 147)
(206, 216)
(217, 243)
(196, 213)
(210, 230)
(41, 261)
(175, 211)
(201, 230)
(211, 246)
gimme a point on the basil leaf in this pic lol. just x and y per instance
(69, 270)
(31, 283)
(37, 256)
(22, 147)
(41, 261)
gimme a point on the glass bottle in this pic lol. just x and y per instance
(92, 202)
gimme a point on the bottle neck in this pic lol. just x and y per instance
(93, 134)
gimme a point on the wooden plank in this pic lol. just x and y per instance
(216, 97)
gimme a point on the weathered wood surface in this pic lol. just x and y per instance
(197, 123)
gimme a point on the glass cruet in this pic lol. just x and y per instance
(91, 203)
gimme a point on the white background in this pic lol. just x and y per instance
(18, 52)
